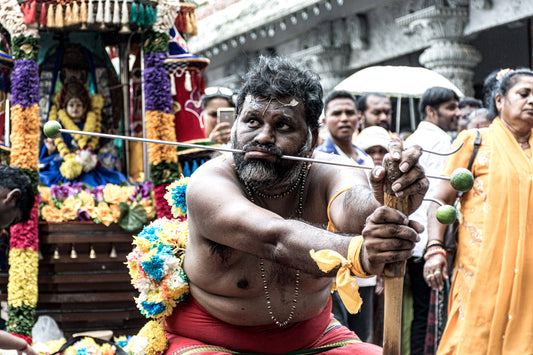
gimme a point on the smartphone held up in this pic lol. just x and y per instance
(226, 114)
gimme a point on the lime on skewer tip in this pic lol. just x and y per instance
(51, 129)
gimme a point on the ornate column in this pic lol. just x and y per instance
(448, 54)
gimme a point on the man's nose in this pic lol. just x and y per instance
(265, 135)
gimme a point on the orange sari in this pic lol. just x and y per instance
(491, 300)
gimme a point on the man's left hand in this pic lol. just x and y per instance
(413, 182)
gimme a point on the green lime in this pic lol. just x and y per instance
(462, 179)
(446, 214)
(51, 129)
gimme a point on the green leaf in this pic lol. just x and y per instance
(131, 218)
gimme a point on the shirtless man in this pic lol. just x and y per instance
(253, 219)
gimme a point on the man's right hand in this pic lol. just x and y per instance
(389, 237)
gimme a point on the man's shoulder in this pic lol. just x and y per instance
(326, 147)
(219, 167)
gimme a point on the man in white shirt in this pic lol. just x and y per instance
(342, 121)
(439, 110)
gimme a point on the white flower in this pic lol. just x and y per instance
(87, 159)
(136, 345)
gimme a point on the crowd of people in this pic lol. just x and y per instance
(258, 240)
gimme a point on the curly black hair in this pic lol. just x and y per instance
(279, 78)
(14, 178)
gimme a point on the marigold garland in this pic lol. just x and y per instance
(24, 136)
(22, 284)
(22, 287)
(151, 340)
(160, 125)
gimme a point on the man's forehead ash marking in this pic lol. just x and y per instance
(257, 102)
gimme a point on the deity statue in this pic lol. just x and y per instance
(74, 157)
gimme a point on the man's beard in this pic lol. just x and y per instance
(266, 175)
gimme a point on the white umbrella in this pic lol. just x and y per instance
(397, 81)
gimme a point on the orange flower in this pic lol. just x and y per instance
(103, 213)
(115, 194)
(115, 211)
(149, 208)
(87, 202)
(69, 208)
(45, 194)
(51, 214)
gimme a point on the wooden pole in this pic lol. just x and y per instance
(394, 273)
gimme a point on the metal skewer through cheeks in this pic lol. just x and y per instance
(52, 129)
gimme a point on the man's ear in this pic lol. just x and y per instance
(430, 113)
(12, 197)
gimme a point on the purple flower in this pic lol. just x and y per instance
(142, 191)
(157, 89)
(83, 215)
(155, 59)
(59, 192)
(98, 193)
(25, 83)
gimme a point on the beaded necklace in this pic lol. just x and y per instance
(302, 178)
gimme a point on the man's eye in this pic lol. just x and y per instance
(283, 126)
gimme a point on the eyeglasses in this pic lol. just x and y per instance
(218, 91)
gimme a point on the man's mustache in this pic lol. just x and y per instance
(267, 148)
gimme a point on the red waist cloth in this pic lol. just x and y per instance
(191, 326)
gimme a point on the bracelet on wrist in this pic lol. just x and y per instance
(434, 242)
(435, 250)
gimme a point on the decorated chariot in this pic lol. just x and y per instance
(104, 66)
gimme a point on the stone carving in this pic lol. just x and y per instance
(447, 54)
(326, 61)
(481, 4)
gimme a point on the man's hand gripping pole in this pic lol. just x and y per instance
(394, 273)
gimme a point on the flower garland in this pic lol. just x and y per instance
(163, 160)
(103, 204)
(74, 163)
(155, 267)
(23, 255)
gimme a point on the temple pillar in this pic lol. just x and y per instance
(448, 53)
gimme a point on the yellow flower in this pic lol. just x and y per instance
(51, 214)
(103, 213)
(87, 202)
(157, 339)
(22, 286)
(70, 168)
(149, 208)
(115, 210)
(115, 194)
(69, 208)
(45, 194)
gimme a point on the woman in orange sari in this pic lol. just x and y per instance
(491, 305)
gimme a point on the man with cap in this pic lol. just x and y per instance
(374, 141)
